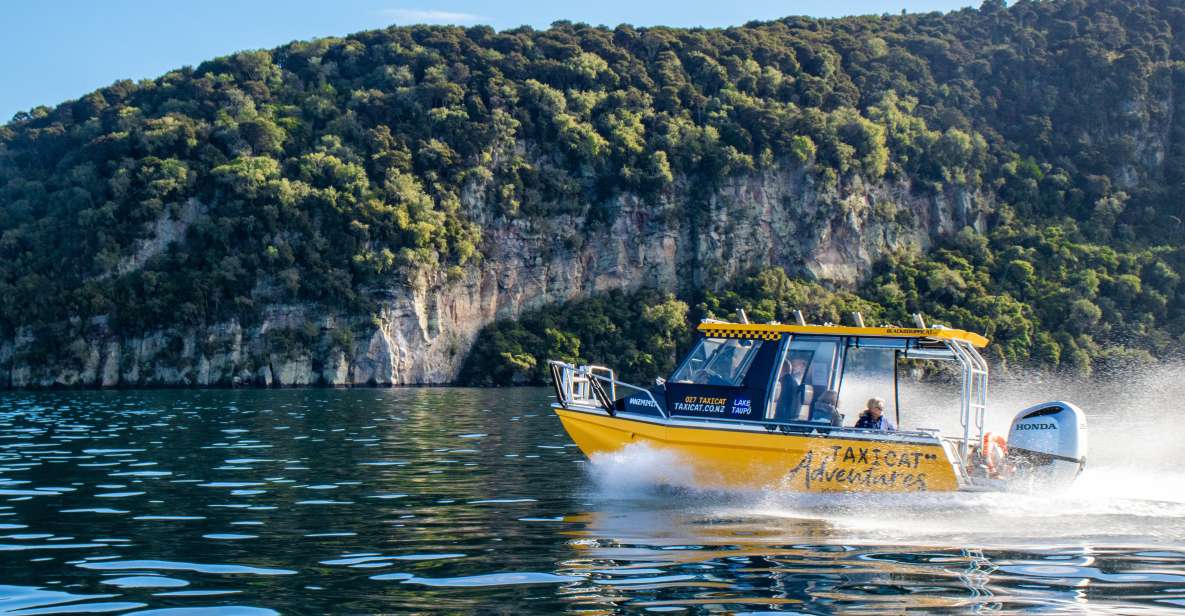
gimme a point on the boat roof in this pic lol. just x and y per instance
(774, 331)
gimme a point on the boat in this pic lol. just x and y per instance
(753, 406)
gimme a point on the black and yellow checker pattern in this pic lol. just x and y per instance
(774, 331)
(733, 333)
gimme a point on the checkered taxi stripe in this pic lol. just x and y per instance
(732, 333)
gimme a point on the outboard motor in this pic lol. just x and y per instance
(1047, 443)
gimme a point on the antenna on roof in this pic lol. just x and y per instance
(919, 321)
(798, 317)
(742, 317)
(858, 319)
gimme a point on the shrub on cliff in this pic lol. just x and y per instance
(638, 334)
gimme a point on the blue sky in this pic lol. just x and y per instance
(55, 51)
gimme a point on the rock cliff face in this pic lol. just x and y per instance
(424, 328)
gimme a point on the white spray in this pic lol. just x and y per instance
(1133, 488)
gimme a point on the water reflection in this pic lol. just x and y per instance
(315, 501)
(718, 556)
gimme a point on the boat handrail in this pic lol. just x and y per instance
(973, 398)
(574, 385)
(593, 370)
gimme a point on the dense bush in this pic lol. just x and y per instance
(322, 171)
(636, 334)
(1060, 324)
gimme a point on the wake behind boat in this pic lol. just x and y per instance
(755, 406)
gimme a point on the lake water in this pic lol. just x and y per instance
(458, 500)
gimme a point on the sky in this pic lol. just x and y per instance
(56, 51)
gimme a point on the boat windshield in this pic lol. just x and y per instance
(718, 361)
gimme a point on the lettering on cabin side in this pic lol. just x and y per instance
(710, 402)
(646, 402)
(702, 404)
(863, 467)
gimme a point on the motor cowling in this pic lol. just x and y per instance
(1048, 442)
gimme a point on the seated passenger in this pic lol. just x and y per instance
(791, 390)
(825, 410)
(874, 417)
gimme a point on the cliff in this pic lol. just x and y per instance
(423, 329)
(353, 210)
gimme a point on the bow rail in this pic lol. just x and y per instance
(595, 386)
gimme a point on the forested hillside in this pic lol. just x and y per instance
(326, 174)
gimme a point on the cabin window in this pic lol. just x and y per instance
(868, 368)
(718, 361)
(807, 373)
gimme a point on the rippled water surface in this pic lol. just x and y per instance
(453, 500)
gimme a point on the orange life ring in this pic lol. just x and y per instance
(995, 448)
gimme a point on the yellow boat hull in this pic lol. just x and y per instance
(740, 459)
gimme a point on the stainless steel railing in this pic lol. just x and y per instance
(591, 386)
